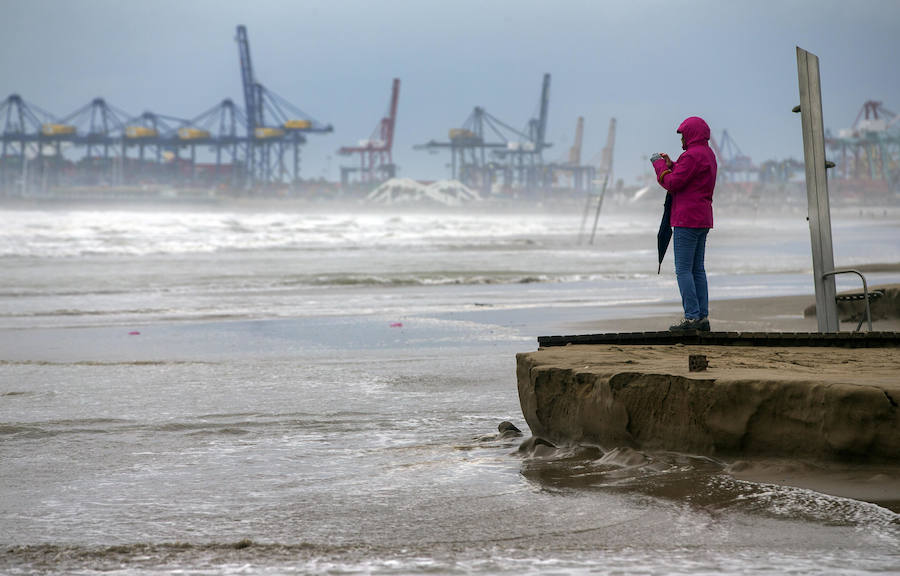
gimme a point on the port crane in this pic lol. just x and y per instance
(485, 146)
(25, 130)
(120, 149)
(577, 175)
(733, 163)
(153, 135)
(268, 141)
(375, 160)
(867, 155)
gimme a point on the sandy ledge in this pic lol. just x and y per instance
(823, 419)
(826, 419)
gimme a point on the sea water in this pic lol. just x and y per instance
(278, 391)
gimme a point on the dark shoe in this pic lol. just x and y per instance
(685, 325)
(703, 324)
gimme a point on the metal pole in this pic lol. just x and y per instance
(24, 172)
(584, 217)
(819, 213)
(599, 206)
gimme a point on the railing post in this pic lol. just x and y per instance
(819, 214)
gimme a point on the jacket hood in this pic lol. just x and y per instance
(695, 131)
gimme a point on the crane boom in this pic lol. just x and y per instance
(575, 150)
(247, 78)
(542, 120)
(606, 158)
(375, 153)
(382, 139)
(391, 120)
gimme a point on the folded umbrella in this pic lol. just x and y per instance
(665, 231)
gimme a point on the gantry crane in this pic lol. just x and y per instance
(576, 175)
(100, 129)
(516, 155)
(469, 162)
(867, 155)
(31, 144)
(26, 130)
(267, 143)
(375, 160)
(734, 165)
(153, 133)
(167, 137)
(218, 128)
(524, 160)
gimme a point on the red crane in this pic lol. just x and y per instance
(375, 161)
(873, 112)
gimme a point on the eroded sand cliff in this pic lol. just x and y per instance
(829, 404)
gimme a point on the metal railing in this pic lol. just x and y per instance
(865, 293)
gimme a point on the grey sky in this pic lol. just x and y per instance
(648, 63)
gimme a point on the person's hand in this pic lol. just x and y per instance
(659, 165)
(667, 159)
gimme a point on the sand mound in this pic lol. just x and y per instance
(406, 191)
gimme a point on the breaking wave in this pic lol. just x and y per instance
(65, 234)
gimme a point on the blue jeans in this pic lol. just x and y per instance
(690, 249)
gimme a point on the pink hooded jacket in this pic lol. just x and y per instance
(691, 179)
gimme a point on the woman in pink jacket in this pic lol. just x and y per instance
(691, 180)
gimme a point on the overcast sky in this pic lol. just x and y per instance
(647, 63)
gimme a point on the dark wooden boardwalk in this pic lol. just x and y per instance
(693, 337)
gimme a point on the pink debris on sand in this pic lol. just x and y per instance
(135, 333)
(396, 324)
